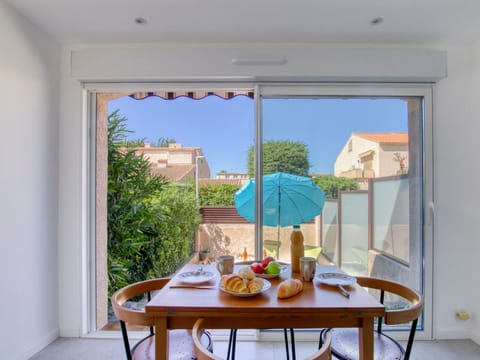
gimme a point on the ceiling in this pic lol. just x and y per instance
(278, 21)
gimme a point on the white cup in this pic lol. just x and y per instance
(307, 268)
(225, 264)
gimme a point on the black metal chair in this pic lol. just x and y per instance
(180, 341)
(345, 340)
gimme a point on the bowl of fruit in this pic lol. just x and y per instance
(268, 268)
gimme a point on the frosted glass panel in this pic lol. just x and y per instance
(391, 217)
(330, 230)
(354, 233)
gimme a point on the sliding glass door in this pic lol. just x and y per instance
(367, 147)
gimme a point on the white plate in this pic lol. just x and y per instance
(266, 286)
(283, 268)
(196, 277)
(336, 279)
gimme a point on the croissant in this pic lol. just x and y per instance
(224, 278)
(288, 288)
(235, 283)
(255, 285)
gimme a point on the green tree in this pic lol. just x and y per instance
(282, 155)
(332, 185)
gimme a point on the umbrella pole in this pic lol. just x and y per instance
(278, 224)
(278, 242)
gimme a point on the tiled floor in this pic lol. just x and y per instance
(101, 349)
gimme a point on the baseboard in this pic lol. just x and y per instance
(38, 345)
(475, 336)
(70, 333)
(453, 334)
(242, 334)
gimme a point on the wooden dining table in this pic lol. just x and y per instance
(317, 306)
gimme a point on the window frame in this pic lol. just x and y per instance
(279, 90)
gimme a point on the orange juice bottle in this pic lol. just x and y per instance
(245, 254)
(296, 248)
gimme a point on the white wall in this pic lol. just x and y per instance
(457, 195)
(29, 98)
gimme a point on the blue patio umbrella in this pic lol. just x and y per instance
(287, 200)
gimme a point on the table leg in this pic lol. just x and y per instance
(365, 339)
(161, 339)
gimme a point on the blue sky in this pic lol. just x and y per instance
(224, 129)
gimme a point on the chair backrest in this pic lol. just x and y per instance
(325, 352)
(201, 351)
(396, 316)
(132, 316)
(203, 354)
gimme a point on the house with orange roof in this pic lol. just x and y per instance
(370, 155)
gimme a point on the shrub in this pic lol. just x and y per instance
(150, 226)
(217, 194)
(176, 229)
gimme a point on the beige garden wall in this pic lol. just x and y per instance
(224, 239)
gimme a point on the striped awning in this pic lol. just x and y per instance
(196, 95)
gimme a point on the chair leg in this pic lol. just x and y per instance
(292, 337)
(285, 335)
(410, 339)
(126, 344)
(234, 344)
(232, 339)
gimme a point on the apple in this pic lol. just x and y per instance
(266, 260)
(257, 268)
(273, 268)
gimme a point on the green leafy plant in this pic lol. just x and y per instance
(150, 226)
(177, 227)
(217, 194)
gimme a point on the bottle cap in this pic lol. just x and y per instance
(296, 226)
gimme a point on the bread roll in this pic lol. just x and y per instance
(235, 283)
(255, 285)
(288, 288)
